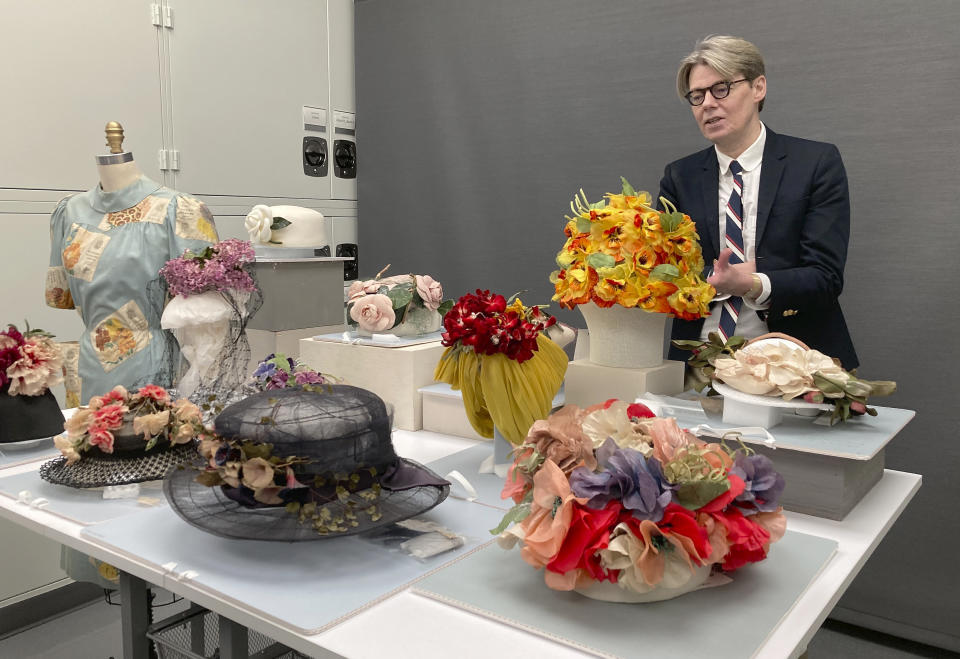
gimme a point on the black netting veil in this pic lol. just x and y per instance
(231, 365)
(355, 480)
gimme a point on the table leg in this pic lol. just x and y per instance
(135, 616)
(233, 640)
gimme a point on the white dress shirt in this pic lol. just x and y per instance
(751, 160)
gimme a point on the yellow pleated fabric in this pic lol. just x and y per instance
(498, 391)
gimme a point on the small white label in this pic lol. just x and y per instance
(314, 118)
(343, 119)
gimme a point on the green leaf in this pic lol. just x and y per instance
(627, 188)
(697, 494)
(251, 450)
(400, 296)
(279, 223)
(151, 443)
(665, 272)
(601, 260)
(209, 478)
(670, 221)
(516, 514)
(583, 225)
(292, 507)
(445, 307)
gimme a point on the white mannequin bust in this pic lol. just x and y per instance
(118, 175)
(117, 169)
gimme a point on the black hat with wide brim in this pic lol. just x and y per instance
(344, 432)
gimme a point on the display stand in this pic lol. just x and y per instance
(828, 469)
(396, 374)
(588, 383)
(299, 293)
(443, 411)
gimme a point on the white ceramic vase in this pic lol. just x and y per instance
(624, 338)
(419, 321)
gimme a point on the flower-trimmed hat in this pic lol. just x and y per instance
(124, 437)
(302, 464)
(30, 363)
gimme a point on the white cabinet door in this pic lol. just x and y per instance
(240, 76)
(67, 69)
(31, 562)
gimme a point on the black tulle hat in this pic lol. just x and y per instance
(333, 470)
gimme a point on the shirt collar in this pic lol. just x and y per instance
(749, 159)
(128, 197)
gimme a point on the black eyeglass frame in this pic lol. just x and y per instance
(723, 84)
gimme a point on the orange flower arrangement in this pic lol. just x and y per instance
(623, 251)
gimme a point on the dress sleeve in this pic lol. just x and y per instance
(194, 227)
(57, 288)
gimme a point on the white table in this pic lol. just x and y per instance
(409, 625)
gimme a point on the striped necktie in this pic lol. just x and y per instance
(733, 239)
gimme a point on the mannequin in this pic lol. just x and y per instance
(117, 169)
(107, 246)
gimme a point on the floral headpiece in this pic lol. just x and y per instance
(500, 358)
(612, 493)
(381, 303)
(277, 371)
(784, 368)
(148, 413)
(623, 251)
(30, 363)
(220, 267)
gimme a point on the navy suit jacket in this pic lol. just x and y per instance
(803, 226)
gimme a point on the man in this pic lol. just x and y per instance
(772, 211)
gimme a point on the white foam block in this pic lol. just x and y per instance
(264, 342)
(394, 374)
(588, 383)
(443, 412)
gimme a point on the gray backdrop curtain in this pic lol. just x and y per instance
(478, 121)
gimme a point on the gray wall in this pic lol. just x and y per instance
(477, 122)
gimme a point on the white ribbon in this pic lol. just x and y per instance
(467, 486)
(746, 431)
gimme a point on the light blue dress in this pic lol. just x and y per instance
(104, 249)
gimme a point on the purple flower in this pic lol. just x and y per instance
(309, 377)
(218, 268)
(266, 368)
(626, 477)
(763, 485)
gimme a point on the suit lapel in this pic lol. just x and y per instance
(771, 172)
(711, 197)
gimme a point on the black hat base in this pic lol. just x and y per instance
(24, 418)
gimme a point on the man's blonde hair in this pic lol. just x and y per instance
(731, 57)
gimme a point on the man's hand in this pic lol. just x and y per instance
(732, 278)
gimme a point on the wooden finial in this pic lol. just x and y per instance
(114, 137)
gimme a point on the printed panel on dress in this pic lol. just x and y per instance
(120, 335)
(56, 291)
(82, 252)
(151, 209)
(71, 372)
(194, 220)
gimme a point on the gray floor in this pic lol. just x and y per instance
(93, 632)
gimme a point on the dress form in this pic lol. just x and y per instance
(117, 169)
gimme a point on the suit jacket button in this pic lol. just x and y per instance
(789, 312)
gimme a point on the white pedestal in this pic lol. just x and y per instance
(588, 383)
(443, 412)
(394, 374)
(264, 342)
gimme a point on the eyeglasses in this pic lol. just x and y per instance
(718, 90)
